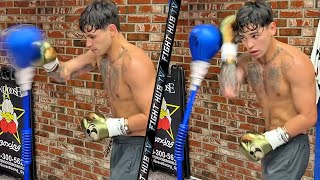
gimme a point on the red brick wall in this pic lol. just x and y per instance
(216, 122)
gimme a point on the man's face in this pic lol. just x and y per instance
(98, 41)
(257, 40)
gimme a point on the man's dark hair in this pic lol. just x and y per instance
(253, 15)
(98, 15)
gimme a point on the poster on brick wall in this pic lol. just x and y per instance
(170, 118)
(11, 124)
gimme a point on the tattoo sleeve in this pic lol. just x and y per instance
(60, 75)
(229, 80)
(85, 69)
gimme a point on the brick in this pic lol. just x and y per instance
(65, 132)
(228, 137)
(138, 1)
(101, 171)
(76, 142)
(312, 13)
(290, 14)
(46, 169)
(279, 5)
(76, 83)
(301, 41)
(94, 146)
(81, 166)
(296, 4)
(41, 147)
(137, 37)
(291, 32)
(82, 151)
(73, 170)
(139, 19)
(48, 128)
(55, 151)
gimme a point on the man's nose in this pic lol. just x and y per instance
(88, 43)
(250, 44)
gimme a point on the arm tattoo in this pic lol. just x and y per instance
(60, 76)
(274, 79)
(114, 81)
(84, 69)
(57, 75)
(228, 80)
(254, 74)
(103, 69)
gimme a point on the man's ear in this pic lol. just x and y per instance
(113, 30)
(273, 28)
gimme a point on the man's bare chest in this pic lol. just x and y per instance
(114, 82)
(267, 82)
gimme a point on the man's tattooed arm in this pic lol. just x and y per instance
(62, 74)
(230, 79)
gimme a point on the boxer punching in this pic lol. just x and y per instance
(283, 79)
(128, 75)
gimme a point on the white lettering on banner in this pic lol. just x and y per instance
(9, 90)
(11, 163)
(174, 7)
(155, 108)
(170, 88)
(164, 162)
(11, 146)
(167, 39)
(164, 142)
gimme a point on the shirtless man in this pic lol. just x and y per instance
(283, 79)
(129, 78)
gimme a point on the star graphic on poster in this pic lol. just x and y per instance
(165, 117)
(8, 117)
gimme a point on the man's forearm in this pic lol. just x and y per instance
(229, 80)
(74, 67)
(300, 124)
(137, 122)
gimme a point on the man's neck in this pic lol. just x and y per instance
(271, 53)
(117, 49)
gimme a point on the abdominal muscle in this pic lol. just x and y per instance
(125, 109)
(278, 112)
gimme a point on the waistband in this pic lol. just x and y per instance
(129, 140)
(300, 138)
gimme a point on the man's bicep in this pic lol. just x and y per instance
(142, 92)
(141, 82)
(302, 84)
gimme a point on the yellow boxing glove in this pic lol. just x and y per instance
(228, 49)
(48, 59)
(97, 127)
(255, 145)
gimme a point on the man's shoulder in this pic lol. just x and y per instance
(292, 53)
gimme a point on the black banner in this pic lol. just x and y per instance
(11, 124)
(163, 67)
(171, 113)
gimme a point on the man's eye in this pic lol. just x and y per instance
(242, 38)
(255, 36)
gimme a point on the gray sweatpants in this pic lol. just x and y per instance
(289, 161)
(125, 157)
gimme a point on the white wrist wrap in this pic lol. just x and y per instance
(276, 137)
(51, 66)
(229, 51)
(24, 78)
(198, 69)
(116, 126)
